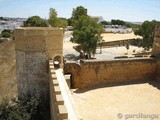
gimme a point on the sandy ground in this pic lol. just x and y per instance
(118, 36)
(116, 102)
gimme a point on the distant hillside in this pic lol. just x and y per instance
(8, 84)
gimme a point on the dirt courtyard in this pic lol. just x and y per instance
(119, 102)
(114, 37)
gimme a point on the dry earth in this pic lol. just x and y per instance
(118, 36)
(123, 102)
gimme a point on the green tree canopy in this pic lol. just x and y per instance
(53, 20)
(36, 21)
(6, 33)
(26, 109)
(117, 22)
(86, 33)
(104, 23)
(62, 22)
(78, 12)
(146, 30)
(69, 21)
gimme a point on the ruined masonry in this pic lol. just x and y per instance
(34, 47)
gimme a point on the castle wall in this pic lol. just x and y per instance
(34, 48)
(94, 73)
(156, 43)
(8, 82)
(157, 76)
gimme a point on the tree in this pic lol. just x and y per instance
(78, 12)
(146, 30)
(62, 22)
(36, 21)
(6, 33)
(69, 21)
(104, 23)
(53, 20)
(86, 33)
(26, 109)
(117, 22)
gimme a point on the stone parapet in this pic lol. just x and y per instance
(38, 31)
(60, 101)
(90, 73)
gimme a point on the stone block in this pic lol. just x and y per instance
(54, 77)
(57, 90)
(50, 62)
(59, 99)
(52, 71)
(55, 82)
(63, 114)
(51, 67)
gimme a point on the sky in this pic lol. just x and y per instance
(127, 10)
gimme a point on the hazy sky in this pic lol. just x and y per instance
(128, 10)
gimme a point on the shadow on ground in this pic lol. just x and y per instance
(155, 84)
(151, 82)
(71, 57)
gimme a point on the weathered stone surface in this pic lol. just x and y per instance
(157, 73)
(62, 112)
(156, 43)
(38, 31)
(92, 73)
(8, 82)
(34, 48)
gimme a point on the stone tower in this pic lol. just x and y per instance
(156, 43)
(34, 47)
